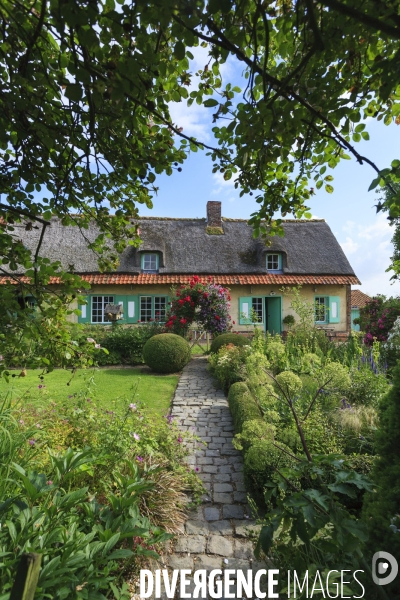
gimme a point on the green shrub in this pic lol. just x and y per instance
(242, 405)
(253, 431)
(261, 462)
(275, 353)
(366, 387)
(382, 509)
(125, 344)
(228, 338)
(228, 365)
(166, 353)
(335, 377)
(290, 383)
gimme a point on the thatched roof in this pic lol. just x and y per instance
(184, 246)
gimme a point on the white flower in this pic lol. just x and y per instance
(91, 340)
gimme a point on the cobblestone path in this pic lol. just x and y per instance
(216, 533)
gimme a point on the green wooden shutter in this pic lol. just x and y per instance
(334, 309)
(245, 307)
(84, 317)
(122, 300)
(132, 309)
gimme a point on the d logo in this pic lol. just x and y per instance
(383, 567)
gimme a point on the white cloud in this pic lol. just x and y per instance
(349, 246)
(192, 119)
(370, 249)
(223, 185)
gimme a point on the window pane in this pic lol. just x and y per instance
(98, 304)
(273, 262)
(149, 262)
(320, 309)
(145, 308)
(160, 308)
(107, 300)
(257, 305)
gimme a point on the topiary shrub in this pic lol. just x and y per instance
(229, 338)
(166, 353)
(242, 405)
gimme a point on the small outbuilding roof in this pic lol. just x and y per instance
(359, 299)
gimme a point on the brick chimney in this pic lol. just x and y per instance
(214, 214)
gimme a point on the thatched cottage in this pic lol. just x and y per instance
(173, 250)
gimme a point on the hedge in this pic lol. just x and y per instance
(242, 405)
(228, 338)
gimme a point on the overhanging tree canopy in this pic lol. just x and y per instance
(86, 88)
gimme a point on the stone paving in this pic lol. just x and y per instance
(217, 532)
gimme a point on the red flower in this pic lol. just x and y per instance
(217, 317)
(233, 322)
(192, 304)
(183, 321)
(188, 299)
(180, 302)
(205, 295)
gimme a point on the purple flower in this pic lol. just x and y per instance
(180, 440)
(49, 482)
(132, 407)
(197, 469)
(41, 386)
(139, 459)
(32, 442)
(136, 436)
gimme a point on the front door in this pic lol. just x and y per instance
(274, 317)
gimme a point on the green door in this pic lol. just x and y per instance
(274, 314)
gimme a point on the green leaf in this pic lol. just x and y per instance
(265, 539)
(210, 102)
(73, 91)
(179, 50)
(374, 184)
(329, 188)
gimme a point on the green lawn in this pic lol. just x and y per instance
(110, 388)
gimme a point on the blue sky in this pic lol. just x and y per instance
(364, 235)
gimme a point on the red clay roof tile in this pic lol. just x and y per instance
(359, 298)
(154, 279)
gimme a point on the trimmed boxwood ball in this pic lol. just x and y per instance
(166, 353)
(229, 338)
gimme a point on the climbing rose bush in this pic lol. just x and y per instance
(202, 302)
(377, 318)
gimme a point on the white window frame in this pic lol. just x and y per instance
(104, 301)
(279, 259)
(151, 256)
(153, 307)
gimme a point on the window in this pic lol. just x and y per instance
(321, 309)
(274, 262)
(153, 308)
(258, 313)
(251, 310)
(98, 305)
(160, 308)
(150, 263)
